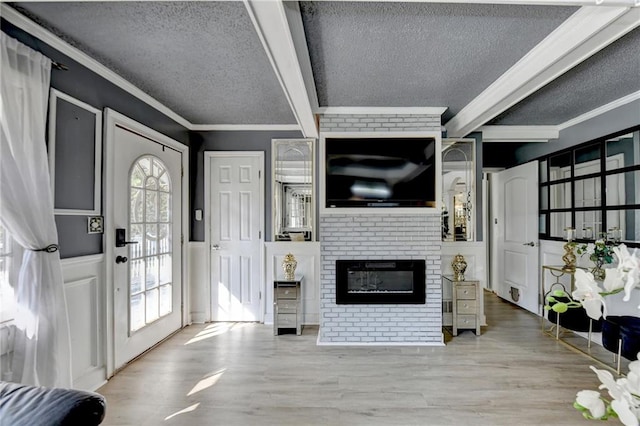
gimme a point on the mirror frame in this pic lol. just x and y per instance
(309, 232)
(470, 188)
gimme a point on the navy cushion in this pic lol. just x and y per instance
(22, 405)
(626, 328)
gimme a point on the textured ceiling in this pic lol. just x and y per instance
(608, 75)
(418, 54)
(203, 60)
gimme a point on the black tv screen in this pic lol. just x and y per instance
(380, 172)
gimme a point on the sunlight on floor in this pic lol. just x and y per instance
(183, 411)
(207, 382)
(216, 329)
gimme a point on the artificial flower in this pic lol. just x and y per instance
(591, 400)
(629, 269)
(588, 293)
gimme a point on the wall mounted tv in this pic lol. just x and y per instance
(380, 172)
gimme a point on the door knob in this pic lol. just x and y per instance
(530, 243)
(121, 259)
(215, 247)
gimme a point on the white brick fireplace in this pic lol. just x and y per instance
(383, 234)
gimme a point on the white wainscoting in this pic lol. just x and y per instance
(85, 292)
(200, 298)
(475, 254)
(308, 256)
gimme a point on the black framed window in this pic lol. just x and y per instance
(595, 188)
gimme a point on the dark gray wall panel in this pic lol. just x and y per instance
(87, 86)
(75, 151)
(231, 141)
(615, 121)
(73, 238)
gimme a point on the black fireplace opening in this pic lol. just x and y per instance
(380, 282)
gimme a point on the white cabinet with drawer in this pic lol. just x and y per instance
(287, 306)
(465, 304)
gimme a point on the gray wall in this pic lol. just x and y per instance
(85, 85)
(230, 141)
(617, 120)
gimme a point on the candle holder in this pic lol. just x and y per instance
(569, 257)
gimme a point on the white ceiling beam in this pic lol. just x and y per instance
(601, 3)
(586, 32)
(383, 110)
(269, 19)
(519, 133)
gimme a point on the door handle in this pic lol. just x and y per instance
(121, 259)
(215, 247)
(121, 236)
(530, 243)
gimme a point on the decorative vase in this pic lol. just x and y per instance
(289, 265)
(598, 273)
(459, 265)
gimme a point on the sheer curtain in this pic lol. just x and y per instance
(42, 348)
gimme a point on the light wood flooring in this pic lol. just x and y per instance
(241, 374)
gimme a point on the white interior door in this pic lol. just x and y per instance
(147, 273)
(515, 233)
(237, 212)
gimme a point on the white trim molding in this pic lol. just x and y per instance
(270, 21)
(600, 110)
(583, 34)
(519, 133)
(245, 127)
(115, 119)
(383, 110)
(97, 149)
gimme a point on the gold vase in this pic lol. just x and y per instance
(289, 265)
(459, 265)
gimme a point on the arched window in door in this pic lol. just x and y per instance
(150, 267)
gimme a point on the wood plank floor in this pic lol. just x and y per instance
(240, 374)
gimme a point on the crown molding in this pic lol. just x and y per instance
(383, 110)
(245, 127)
(584, 33)
(77, 55)
(600, 110)
(518, 133)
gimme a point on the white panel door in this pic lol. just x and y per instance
(516, 235)
(236, 236)
(147, 273)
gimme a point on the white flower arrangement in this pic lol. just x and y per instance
(624, 392)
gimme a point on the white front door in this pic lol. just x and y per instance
(515, 233)
(237, 212)
(147, 269)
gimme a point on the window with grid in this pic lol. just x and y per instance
(150, 267)
(593, 188)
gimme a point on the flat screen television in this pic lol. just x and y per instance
(380, 172)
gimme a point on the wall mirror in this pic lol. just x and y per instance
(458, 189)
(293, 189)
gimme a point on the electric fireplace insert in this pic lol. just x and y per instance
(380, 282)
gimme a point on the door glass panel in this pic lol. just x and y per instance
(151, 259)
(623, 188)
(587, 160)
(588, 192)
(543, 171)
(559, 221)
(560, 195)
(544, 198)
(588, 224)
(560, 166)
(623, 152)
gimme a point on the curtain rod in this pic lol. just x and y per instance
(59, 66)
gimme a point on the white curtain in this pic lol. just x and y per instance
(42, 348)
